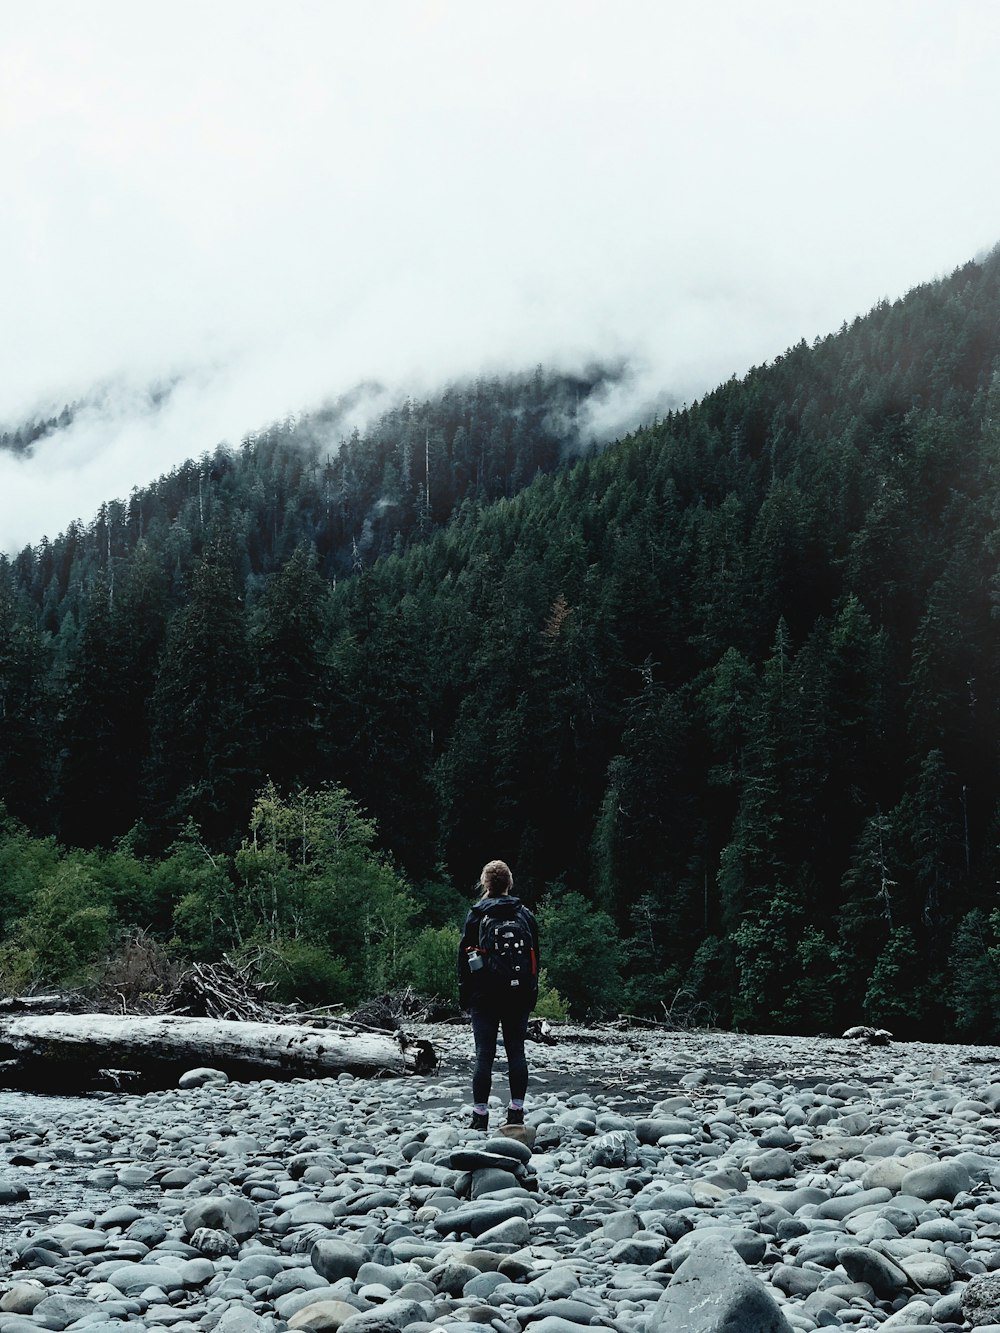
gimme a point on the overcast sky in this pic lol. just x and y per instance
(273, 201)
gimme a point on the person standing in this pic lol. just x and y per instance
(498, 987)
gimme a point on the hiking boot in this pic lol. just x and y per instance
(515, 1115)
(479, 1120)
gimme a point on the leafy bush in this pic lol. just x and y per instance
(431, 963)
(67, 929)
(306, 973)
(550, 1003)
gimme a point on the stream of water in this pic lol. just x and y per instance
(60, 1186)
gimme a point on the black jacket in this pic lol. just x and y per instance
(474, 987)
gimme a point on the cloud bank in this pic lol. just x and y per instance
(270, 204)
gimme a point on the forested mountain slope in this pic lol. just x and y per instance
(726, 695)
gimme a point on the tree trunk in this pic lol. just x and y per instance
(75, 1052)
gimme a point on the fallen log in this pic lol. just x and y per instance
(70, 1052)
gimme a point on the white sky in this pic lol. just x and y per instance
(276, 200)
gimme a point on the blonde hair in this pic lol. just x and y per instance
(496, 879)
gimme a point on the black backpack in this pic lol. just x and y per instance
(508, 950)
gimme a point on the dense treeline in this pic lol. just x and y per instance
(725, 695)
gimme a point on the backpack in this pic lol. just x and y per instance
(508, 951)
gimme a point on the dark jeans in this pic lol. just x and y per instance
(486, 1023)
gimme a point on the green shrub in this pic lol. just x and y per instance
(67, 929)
(305, 973)
(431, 963)
(550, 1003)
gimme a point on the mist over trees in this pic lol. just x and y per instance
(724, 694)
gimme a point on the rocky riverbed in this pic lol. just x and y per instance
(664, 1183)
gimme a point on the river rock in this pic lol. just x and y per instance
(200, 1078)
(980, 1301)
(775, 1164)
(882, 1274)
(323, 1315)
(223, 1212)
(712, 1291)
(939, 1180)
(334, 1258)
(213, 1243)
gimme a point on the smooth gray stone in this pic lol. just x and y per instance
(223, 1212)
(430, 1173)
(802, 1197)
(489, 1181)
(480, 1216)
(637, 1250)
(795, 1281)
(650, 1130)
(843, 1205)
(148, 1231)
(13, 1192)
(748, 1244)
(777, 1137)
(335, 1258)
(939, 1180)
(287, 1306)
(385, 1318)
(553, 1323)
(581, 1120)
(135, 1278)
(203, 1077)
(258, 1264)
(476, 1159)
(821, 1248)
(59, 1311)
(714, 1292)
(365, 1202)
(948, 1309)
(483, 1285)
(665, 1198)
(406, 1248)
(619, 1226)
(177, 1178)
(294, 1279)
(822, 1302)
(731, 1178)
(21, 1298)
(507, 1147)
(388, 1275)
(238, 1319)
(556, 1282)
(884, 1276)
(451, 1277)
(108, 1325)
(911, 1328)
(773, 1164)
(514, 1231)
(577, 1312)
(123, 1216)
(928, 1271)
(65, 1236)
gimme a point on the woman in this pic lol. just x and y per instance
(498, 986)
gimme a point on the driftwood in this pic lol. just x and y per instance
(41, 1004)
(223, 990)
(71, 1052)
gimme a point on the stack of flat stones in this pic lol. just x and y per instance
(370, 1207)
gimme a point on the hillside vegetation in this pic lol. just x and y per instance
(725, 694)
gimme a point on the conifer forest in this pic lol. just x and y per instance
(725, 693)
